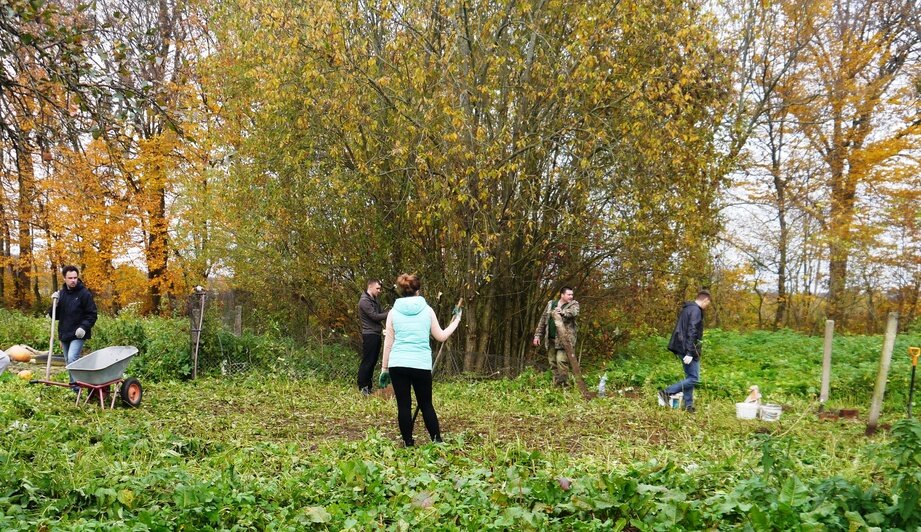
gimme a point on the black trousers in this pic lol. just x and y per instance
(420, 380)
(370, 349)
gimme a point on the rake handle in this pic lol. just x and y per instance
(54, 315)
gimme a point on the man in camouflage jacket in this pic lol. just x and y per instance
(557, 330)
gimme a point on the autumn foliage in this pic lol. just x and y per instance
(635, 150)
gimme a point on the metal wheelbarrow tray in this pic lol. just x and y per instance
(102, 366)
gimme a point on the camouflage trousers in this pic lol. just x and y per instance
(559, 363)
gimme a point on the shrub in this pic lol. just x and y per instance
(17, 328)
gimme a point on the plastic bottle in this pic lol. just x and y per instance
(601, 385)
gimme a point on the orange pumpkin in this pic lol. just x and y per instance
(19, 353)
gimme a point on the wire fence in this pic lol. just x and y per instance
(340, 361)
(222, 352)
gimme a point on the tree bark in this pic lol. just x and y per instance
(23, 265)
(157, 248)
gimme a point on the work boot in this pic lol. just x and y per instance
(366, 391)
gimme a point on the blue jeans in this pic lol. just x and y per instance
(691, 376)
(72, 351)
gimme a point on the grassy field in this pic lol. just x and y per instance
(261, 452)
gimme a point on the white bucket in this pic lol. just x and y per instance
(746, 410)
(771, 412)
(675, 400)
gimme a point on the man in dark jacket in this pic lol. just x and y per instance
(76, 314)
(371, 317)
(685, 344)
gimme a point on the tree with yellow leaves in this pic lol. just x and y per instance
(855, 99)
(497, 148)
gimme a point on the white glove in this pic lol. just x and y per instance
(80, 333)
(55, 295)
(687, 358)
(457, 314)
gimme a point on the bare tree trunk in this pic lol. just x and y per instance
(157, 248)
(486, 327)
(473, 303)
(842, 215)
(23, 266)
(780, 188)
(4, 251)
(36, 296)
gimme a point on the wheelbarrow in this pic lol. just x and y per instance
(100, 371)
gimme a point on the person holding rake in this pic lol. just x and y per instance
(407, 360)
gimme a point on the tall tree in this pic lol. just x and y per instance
(854, 102)
(148, 46)
(498, 148)
(41, 57)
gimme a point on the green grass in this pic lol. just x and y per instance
(271, 451)
(785, 365)
(262, 453)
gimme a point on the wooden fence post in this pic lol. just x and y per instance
(198, 316)
(876, 406)
(826, 362)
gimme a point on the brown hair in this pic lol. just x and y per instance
(703, 294)
(408, 284)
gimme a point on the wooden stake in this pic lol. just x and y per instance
(198, 314)
(876, 406)
(566, 339)
(826, 361)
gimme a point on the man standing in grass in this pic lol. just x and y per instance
(685, 343)
(371, 317)
(76, 313)
(564, 312)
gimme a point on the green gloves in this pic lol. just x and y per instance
(384, 380)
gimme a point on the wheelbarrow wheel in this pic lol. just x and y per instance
(132, 392)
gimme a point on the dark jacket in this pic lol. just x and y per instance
(76, 309)
(370, 314)
(689, 331)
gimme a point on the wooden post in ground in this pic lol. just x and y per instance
(566, 339)
(198, 316)
(876, 405)
(194, 333)
(238, 320)
(826, 362)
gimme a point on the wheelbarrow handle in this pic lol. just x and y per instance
(49, 383)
